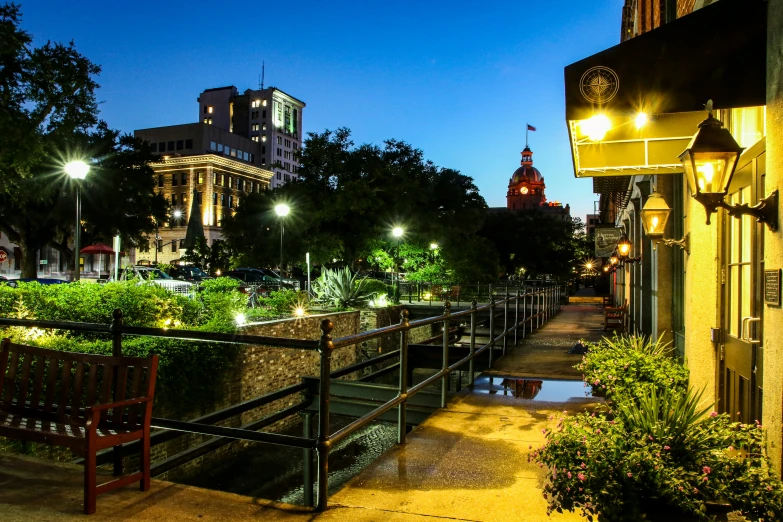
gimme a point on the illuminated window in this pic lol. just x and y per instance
(212, 145)
(220, 147)
(208, 121)
(254, 127)
(254, 138)
(264, 104)
(200, 180)
(748, 125)
(263, 138)
(263, 127)
(209, 109)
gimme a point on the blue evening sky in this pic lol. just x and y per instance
(456, 79)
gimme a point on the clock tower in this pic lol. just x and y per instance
(526, 187)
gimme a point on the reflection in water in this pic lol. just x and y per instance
(546, 390)
(522, 388)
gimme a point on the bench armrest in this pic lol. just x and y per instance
(120, 404)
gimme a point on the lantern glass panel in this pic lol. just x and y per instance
(654, 222)
(713, 171)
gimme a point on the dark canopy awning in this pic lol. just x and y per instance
(717, 52)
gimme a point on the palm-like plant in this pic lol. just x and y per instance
(340, 288)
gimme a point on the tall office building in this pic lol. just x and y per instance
(268, 116)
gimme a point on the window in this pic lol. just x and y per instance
(223, 180)
(183, 198)
(254, 127)
(229, 181)
(200, 178)
(279, 175)
(212, 145)
(170, 146)
(263, 127)
(206, 109)
(264, 112)
(252, 158)
(160, 180)
(263, 161)
(214, 198)
(188, 144)
(254, 138)
(251, 187)
(153, 147)
(162, 146)
(180, 144)
(263, 138)
(230, 201)
(255, 103)
(184, 178)
(263, 149)
(279, 140)
(174, 179)
(208, 121)
(279, 151)
(220, 147)
(288, 143)
(198, 197)
(222, 200)
(234, 153)
(246, 156)
(209, 109)
(174, 246)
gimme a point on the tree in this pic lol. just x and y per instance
(347, 199)
(49, 116)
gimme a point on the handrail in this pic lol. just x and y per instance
(538, 305)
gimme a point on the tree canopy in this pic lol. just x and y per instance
(49, 116)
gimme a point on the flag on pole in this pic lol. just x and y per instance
(530, 127)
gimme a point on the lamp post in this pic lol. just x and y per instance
(282, 211)
(397, 232)
(77, 170)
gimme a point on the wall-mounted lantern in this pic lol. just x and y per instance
(710, 161)
(655, 215)
(624, 251)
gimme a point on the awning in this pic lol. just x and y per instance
(717, 52)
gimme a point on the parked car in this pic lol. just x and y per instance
(265, 276)
(157, 277)
(188, 273)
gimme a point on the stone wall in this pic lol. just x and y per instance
(373, 318)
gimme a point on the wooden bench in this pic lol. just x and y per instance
(81, 401)
(614, 317)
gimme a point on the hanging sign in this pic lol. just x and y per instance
(606, 240)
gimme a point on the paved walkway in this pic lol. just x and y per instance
(467, 462)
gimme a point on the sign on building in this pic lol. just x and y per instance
(606, 240)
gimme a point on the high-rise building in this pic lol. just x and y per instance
(269, 117)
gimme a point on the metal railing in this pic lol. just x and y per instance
(457, 293)
(537, 305)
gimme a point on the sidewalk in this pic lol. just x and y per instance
(467, 462)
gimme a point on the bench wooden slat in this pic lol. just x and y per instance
(4, 347)
(10, 383)
(119, 395)
(65, 386)
(78, 388)
(92, 385)
(40, 366)
(85, 357)
(105, 394)
(51, 384)
(24, 381)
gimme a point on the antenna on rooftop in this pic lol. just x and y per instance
(261, 77)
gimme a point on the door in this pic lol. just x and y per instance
(740, 385)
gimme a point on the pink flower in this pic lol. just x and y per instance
(569, 474)
(650, 437)
(667, 448)
(630, 474)
(714, 414)
(578, 453)
(598, 430)
(583, 465)
(695, 490)
(705, 479)
(706, 470)
(580, 476)
(731, 448)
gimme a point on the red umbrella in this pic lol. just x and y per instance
(100, 248)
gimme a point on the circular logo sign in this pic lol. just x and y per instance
(599, 84)
(3, 256)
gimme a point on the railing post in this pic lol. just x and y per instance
(538, 309)
(471, 368)
(491, 328)
(307, 465)
(505, 322)
(524, 313)
(402, 421)
(445, 379)
(325, 347)
(516, 319)
(116, 351)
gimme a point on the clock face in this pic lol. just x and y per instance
(524, 190)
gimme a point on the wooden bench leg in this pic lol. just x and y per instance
(90, 470)
(144, 485)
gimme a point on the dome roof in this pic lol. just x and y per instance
(527, 173)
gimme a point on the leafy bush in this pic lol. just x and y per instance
(376, 287)
(632, 366)
(283, 302)
(340, 289)
(662, 451)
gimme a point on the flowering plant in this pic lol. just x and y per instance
(662, 450)
(631, 366)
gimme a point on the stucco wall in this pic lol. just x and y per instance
(773, 246)
(702, 279)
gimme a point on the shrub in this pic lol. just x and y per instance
(340, 289)
(664, 451)
(375, 288)
(632, 366)
(283, 302)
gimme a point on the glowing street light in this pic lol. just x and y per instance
(397, 231)
(433, 246)
(282, 210)
(77, 170)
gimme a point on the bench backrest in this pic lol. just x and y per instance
(58, 385)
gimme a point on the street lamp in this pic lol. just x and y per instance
(655, 215)
(282, 211)
(77, 170)
(397, 232)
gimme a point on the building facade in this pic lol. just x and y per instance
(269, 117)
(711, 289)
(199, 160)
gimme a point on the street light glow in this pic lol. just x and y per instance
(397, 231)
(641, 120)
(282, 209)
(77, 169)
(433, 246)
(595, 128)
(177, 214)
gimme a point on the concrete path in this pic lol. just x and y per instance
(467, 462)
